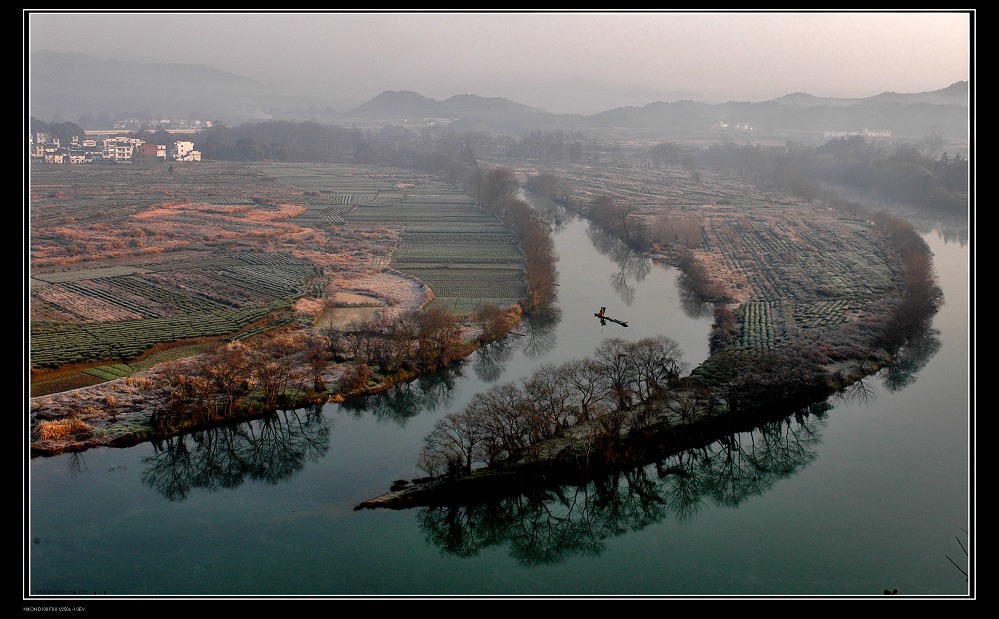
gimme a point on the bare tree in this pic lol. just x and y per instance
(272, 362)
(616, 363)
(550, 397)
(452, 445)
(590, 387)
(438, 337)
(494, 321)
(503, 414)
(227, 374)
(317, 358)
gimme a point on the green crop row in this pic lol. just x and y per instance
(55, 344)
(110, 372)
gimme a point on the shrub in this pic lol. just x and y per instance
(63, 429)
(356, 378)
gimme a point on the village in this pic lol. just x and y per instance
(109, 146)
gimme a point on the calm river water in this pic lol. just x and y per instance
(872, 494)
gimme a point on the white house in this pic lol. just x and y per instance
(180, 149)
(119, 149)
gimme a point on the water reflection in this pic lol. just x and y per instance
(553, 213)
(539, 330)
(405, 400)
(75, 464)
(550, 525)
(489, 361)
(901, 371)
(691, 302)
(268, 450)
(633, 266)
(908, 360)
(950, 227)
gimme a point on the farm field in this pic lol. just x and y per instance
(318, 245)
(793, 271)
(462, 253)
(127, 260)
(124, 261)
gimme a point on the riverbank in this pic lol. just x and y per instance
(124, 412)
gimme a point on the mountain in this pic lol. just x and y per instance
(944, 112)
(466, 112)
(955, 94)
(66, 85)
(390, 104)
(916, 115)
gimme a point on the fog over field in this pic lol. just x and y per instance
(564, 62)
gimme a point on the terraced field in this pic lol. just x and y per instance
(794, 270)
(463, 253)
(123, 258)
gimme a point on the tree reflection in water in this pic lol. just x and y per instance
(540, 331)
(691, 302)
(548, 526)
(633, 266)
(908, 360)
(405, 400)
(269, 450)
(489, 361)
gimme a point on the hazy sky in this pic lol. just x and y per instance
(709, 56)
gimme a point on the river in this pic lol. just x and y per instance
(872, 494)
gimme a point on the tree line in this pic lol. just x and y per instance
(512, 421)
(434, 146)
(901, 173)
(285, 368)
(625, 389)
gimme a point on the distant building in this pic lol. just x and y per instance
(723, 124)
(867, 133)
(180, 149)
(839, 134)
(76, 154)
(150, 153)
(119, 150)
(42, 148)
(91, 153)
(880, 133)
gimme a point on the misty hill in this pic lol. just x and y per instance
(391, 104)
(67, 86)
(955, 94)
(467, 112)
(945, 112)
